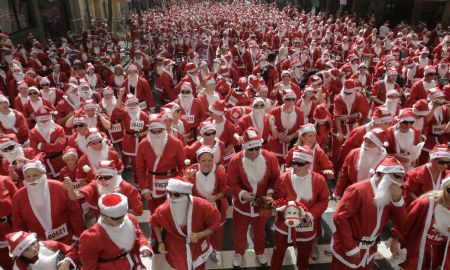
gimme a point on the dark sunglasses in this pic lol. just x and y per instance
(174, 194)
(95, 143)
(256, 106)
(407, 122)
(104, 177)
(45, 84)
(440, 162)
(33, 93)
(254, 149)
(8, 149)
(78, 125)
(185, 92)
(156, 131)
(289, 99)
(298, 163)
(209, 133)
(117, 218)
(398, 176)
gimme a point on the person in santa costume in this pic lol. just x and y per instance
(78, 137)
(12, 121)
(362, 214)
(97, 149)
(58, 78)
(412, 72)
(92, 115)
(140, 88)
(210, 183)
(392, 103)
(190, 78)
(87, 93)
(208, 138)
(22, 96)
(180, 123)
(43, 206)
(160, 156)
(28, 252)
(285, 85)
(252, 174)
(49, 138)
(107, 105)
(115, 81)
(288, 120)
(360, 162)
(187, 244)
(381, 87)
(94, 80)
(7, 192)
(307, 103)
(309, 188)
(165, 83)
(32, 105)
(429, 176)
(167, 116)
(428, 219)
(363, 76)
(67, 106)
(419, 90)
(116, 240)
(52, 94)
(70, 158)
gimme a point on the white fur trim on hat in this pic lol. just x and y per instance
(369, 135)
(94, 136)
(439, 154)
(307, 128)
(206, 127)
(252, 144)
(26, 242)
(211, 109)
(113, 205)
(43, 118)
(176, 185)
(302, 156)
(390, 169)
(131, 100)
(37, 164)
(203, 150)
(8, 143)
(155, 125)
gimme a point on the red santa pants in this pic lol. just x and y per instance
(5, 259)
(338, 265)
(216, 238)
(335, 149)
(279, 250)
(240, 227)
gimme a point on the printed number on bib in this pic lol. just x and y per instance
(137, 124)
(57, 233)
(190, 119)
(160, 184)
(117, 127)
(438, 129)
(143, 105)
(366, 242)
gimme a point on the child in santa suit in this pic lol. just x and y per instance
(188, 222)
(115, 241)
(30, 253)
(7, 191)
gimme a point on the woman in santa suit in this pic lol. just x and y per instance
(32, 105)
(107, 105)
(309, 188)
(288, 120)
(94, 79)
(12, 121)
(7, 191)
(116, 80)
(52, 94)
(307, 104)
(207, 138)
(210, 183)
(428, 220)
(188, 222)
(30, 253)
(43, 206)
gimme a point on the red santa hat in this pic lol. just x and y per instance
(209, 80)
(335, 73)
(172, 106)
(43, 113)
(303, 153)
(204, 149)
(22, 84)
(113, 205)
(406, 115)
(19, 241)
(314, 80)
(235, 113)
(44, 80)
(223, 71)
(93, 135)
(390, 165)
(8, 140)
(34, 164)
(381, 115)
(440, 151)
(289, 94)
(131, 99)
(69, 151)
(378, 137)
(4, 99)
(429, 70)
(321, 114)
(107, 91)
(165, 113)
(263, 88)
(70, 87)
(107, 167)
(131, 67)
(408, 62)
(435, 93)
(420, 108)
(349, 86)
(307, 128)
(89, 104)
(251, 139)
(179, 185)
(205, 126)
(353, 57)
(89, 67)
(285, 73)
(218, 107)
(190, 67)
(157, 123)
(80, 119)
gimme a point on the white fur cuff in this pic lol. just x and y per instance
(352, 252)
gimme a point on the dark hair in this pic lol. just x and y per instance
(271, 57)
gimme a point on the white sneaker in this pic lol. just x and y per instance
(237, 260)
(214, 257)
(262, 259)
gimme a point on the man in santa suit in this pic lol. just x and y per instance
(423, 59)
(97, 148)
(116, 240)
(67, 106)
(139, 87)
(52, 94)
(115, 80)
(22, 96)
(284, 85)
(380, 88)
(86, 91)
(249, 57)
(428, 219)
(186, 244)
(49, 138)
(359, 162)
(350, 108)
(363, 76)
(18, 76)
(362, 214)
(392, 103)
(191, 78)
(28, 252)
(7, 192)
(43, 206)
(33, 104)
(35, 64)
(58, 78)
(443, 70)
(412, 72)
(94, 80)
(419, 90)
(351, 67)
(12, 121)
(159, 157)
(142, 64)
(429, 176)
(310, 189)
(252, 174)
(404, 139)
(78, 138)
(107, 105)
(165, 83)
(441, 51)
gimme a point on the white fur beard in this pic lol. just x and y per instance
(118, 80)
(205, 184)
(255, 170)
(133, 113)
(111, 187)
(95, 157)
(8, 120)
(132, 80)
(382, 193)
(367, 160)
(186, 103)
(13, 155)
(124, 236)
(391, 106)
(219, 128)
(179, 210)
(46, 129)
(75, 99)
(419, 124)
(158, 144)
(442, 219)
(109, 105)
(81, 141)
(303, 187)
(258, 118)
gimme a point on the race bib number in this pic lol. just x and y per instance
(160, 184)
(57, 233)
(438, 129)
(306, 225)
(117, 127)
(375, 59)
(143, 105)
(76, 185)
(229, 154)
(190, 119)
(136, 124)
(366, 242)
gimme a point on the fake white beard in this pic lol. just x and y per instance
(302, 186)
(50, 95)
(391, 105)
(186, 102)
(368, 159)
(86, 95)
(195, 79)
(205, 184)
(219, 128)
(258, 118)
(158, 142)
(36, 192)
(216, 68)
(118, 80)
(138, 61)
(297, 73)
(288, 120)
(442, 72)
(382, 193)
(81, 141)
(19, 76)
(354, 67)
(348, 99)
(438, 114)
(91, 122)
(111, 187)
(212, 97)
(133, 112)
(8, 120)
(14, 154)
(36, 105)
(159, 69)
(124, 235)
(411, 73)
(75, 99)
(442, 220)
(92, 80)
(46, 129)
(419, 124)
(132, 80)
(404, 140)
(109, 104)
(428, 85)
(423, 61)
(179, 208)
(95, 157)
(255, 170)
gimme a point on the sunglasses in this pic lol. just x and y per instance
(78, 125)
(117, 218)
(298, 163)
(33, 93)
(398, 176)
(258, 106)
(156, 131)
(185, 92)
(45, 84)
(209, 133)
(289, 99)
(174, 194)
(407, 122)
(8, 149)
(96, 142)
(254, 149)
(440, 162)
(104, 177)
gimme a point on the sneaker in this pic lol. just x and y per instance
(237, 260)
(214, 257)
(262, 259)
(315, 252)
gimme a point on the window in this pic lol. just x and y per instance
(15, 15)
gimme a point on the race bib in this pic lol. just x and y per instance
(190, 119)
(306, 225)
(366, 242)
(57, 233)
(137, 124)
(117, 127)
(160, 184)
(143, 105)
(438, 129)
(229, 154)
(76, 185)
(375, 59)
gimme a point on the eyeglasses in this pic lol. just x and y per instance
(443, 162)
(298, 163)
(289, 99)
(156, 131)
(398, 176)
(104, 177)
(96, 142)
(185, 92)
(117, 218)
(174, 194)
(260, 106)
(254, 149)
(209, 133)
(407, 122)
(8, 149)
(33, 93)
(78, 125)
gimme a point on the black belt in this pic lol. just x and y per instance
(121, 255)
(133, 133)
(168, 173)
(54, 155)
(5, 219)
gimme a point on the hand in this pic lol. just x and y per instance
(395, 250)
(195, 237)
(268, 200)
(60, 139)
(248, 197)
(63, 265)
(396, 192)
(403, 158)
(146, 253)
(328, 172)
(67, 183)
(12, 168)
(22, 160)
(212, 198)
(121, 92)
(162, 248)
(340, 137)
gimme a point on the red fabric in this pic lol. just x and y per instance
(20, 127)
(81, 175)
(279, 250)
(7, 191)
(418, 181)
(142, 92)
(321, 161)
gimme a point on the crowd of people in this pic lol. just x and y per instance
(277, 111)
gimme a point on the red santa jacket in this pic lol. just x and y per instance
(379, 90)
(142, 92)
(354, 140)
(394, 147)
(359, 104)
(219, 150)
(247, 121)
(321, 161)
(64, 107)
(67, 220)
(58, 79)
(54, 95)
(28, 109)
(8, 190)
(88, 175)
(95, 82)
(196, 114)
(18, 126)
(417, 92)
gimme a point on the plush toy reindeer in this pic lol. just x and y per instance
(296, 216)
